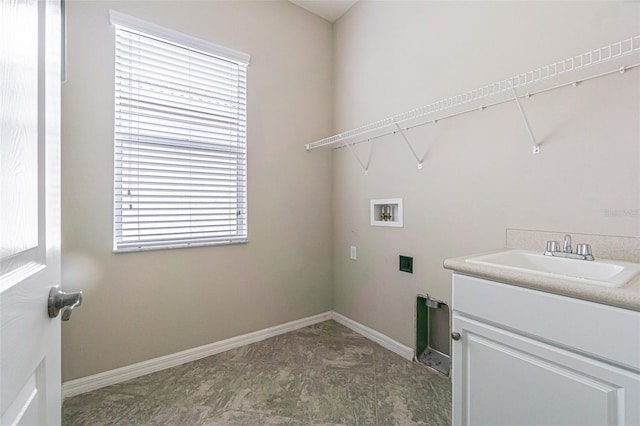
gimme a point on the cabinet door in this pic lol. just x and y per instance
(503, 378)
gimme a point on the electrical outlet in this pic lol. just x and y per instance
(406, 264)
(353, 254)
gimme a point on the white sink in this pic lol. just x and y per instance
(606, 273)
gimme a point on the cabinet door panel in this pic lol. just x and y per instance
(501, 378)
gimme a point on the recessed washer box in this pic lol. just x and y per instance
(386, 212)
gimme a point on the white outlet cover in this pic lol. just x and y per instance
(353, 254)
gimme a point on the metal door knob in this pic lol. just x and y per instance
(455, 336)
(59, 300)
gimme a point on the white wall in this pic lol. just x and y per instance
(479, 175)
(145, 305)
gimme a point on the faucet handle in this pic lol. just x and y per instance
(583, 249)
(552, 246)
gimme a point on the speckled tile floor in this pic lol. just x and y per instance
(324, 374)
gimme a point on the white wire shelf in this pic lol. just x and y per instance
(616, 57)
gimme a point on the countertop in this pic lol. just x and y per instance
(626, 296)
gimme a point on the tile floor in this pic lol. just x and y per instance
(324, 374)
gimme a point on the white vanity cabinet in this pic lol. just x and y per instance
(526, 357)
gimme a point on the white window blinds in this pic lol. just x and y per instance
(180, 145)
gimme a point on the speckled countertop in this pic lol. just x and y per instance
(626, 296)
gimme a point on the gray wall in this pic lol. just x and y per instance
(479, 175)
(140, 306)
(306, 209)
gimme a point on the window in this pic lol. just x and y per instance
(180, 139)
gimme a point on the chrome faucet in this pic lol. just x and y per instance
(566, 247)
(583, 251)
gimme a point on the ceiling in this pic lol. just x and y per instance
(330, 10)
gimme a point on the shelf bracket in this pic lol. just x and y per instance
(536, 147)
(364, 167)
(409, 145)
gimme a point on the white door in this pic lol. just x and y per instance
(30, 48)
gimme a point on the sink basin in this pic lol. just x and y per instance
(606, 273)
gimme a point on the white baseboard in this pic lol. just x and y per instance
(111, 377)
(118, 375)
(371, 334)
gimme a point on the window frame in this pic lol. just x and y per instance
(132, 24)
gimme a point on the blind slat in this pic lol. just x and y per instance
(187, 146)
(170, 52)
(181, 159)
(225, 95)
(157, 73)
(140, 236)
(160, 217)
(136, 174)
(180, 145)
(180, 113)
(174, 125)
(176, 211)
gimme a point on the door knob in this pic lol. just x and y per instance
(455, 336)
(59, 300)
